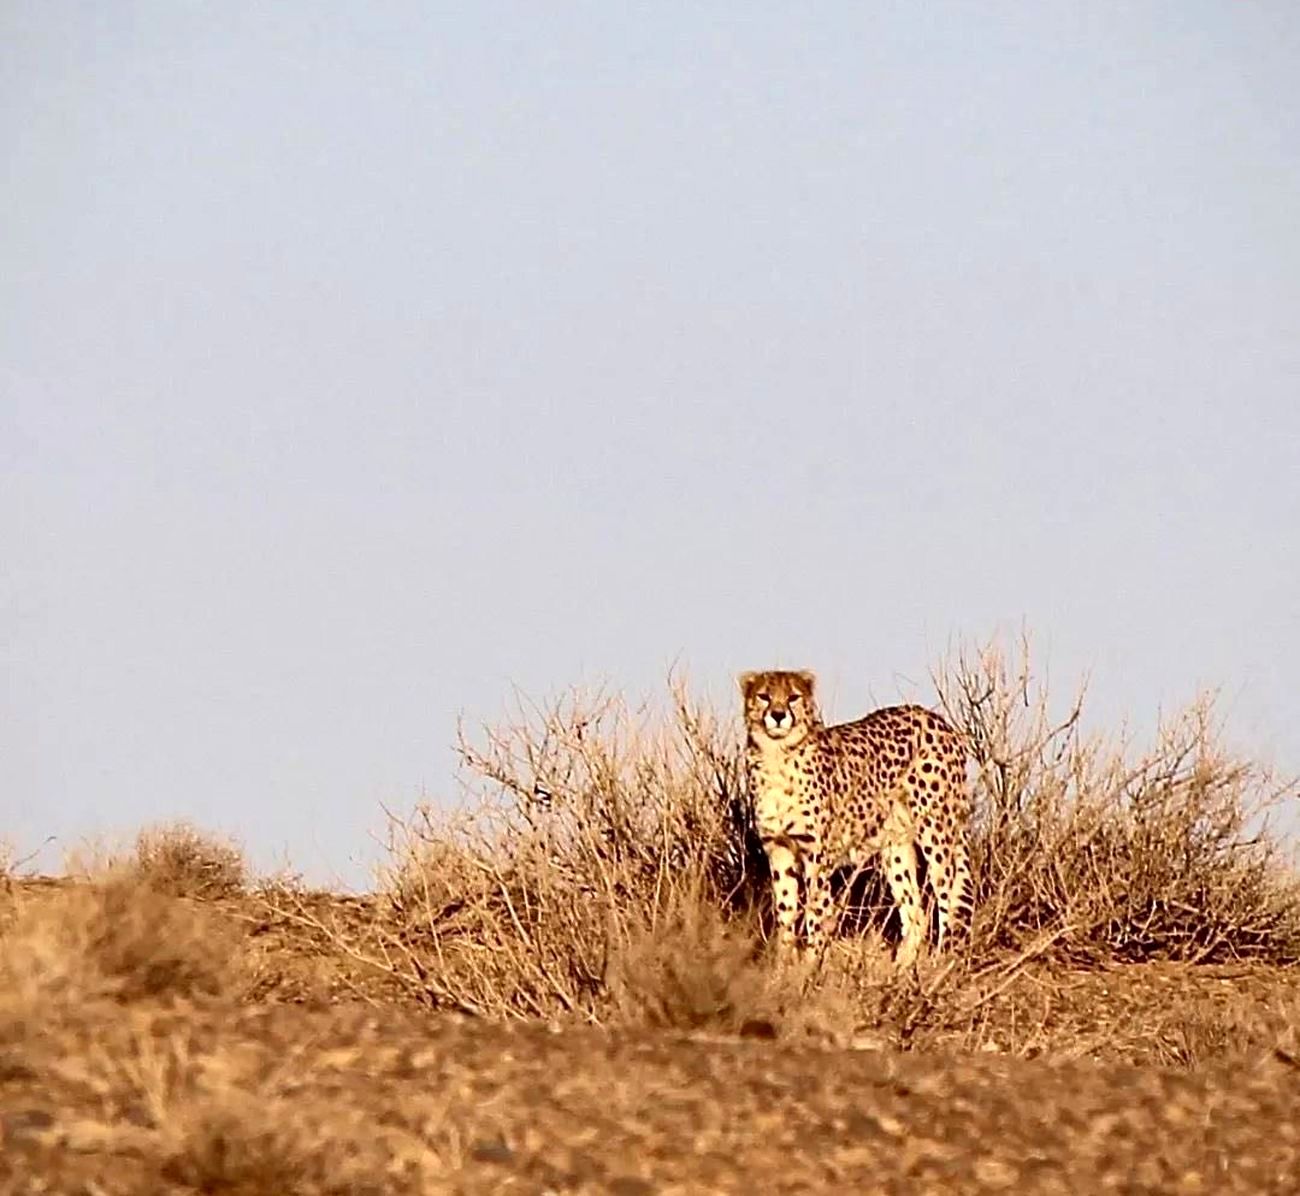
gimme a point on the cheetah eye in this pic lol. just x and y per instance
(764, 697)
(795, 698)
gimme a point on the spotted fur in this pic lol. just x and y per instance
(827, 796)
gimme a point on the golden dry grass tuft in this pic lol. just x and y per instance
(178, 859)
(694, 969)
(175, 858)
(114, 939)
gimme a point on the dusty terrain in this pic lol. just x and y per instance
(308, 1076)
(435, 1105)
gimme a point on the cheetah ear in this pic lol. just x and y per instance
(747, 682)
(808, 680)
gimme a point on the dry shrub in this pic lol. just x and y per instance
(185, 862)
(1116, 854)
(174, 858)
(12, 867)
(690, 969)
(226, 1145)
(606, 866)
(114, 939)
(245, 1143)
(589, 821)
(101, 982)
(694, 969)
(595, 822)
(216, 1122)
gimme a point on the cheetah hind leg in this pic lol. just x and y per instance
(953, 894)
(900, 872)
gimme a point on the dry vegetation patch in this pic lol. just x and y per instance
(174, 858)
(123, 1057)
(596, 825)
(606, 869)
(114, 939)
(1121, 854)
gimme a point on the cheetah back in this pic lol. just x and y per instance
(899, 756)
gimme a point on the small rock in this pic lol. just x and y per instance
(23, 1123)
(491, 1150)
(630, 1185)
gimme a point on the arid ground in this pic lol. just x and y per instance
(568, 987)
(242, 1056)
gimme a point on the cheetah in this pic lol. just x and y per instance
(828, 796)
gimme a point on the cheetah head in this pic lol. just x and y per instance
(779, 706)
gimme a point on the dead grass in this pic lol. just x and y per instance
(693, 969)
(262, 1101)
(167, 1099)
(178, 859)
(595, 824)
(113, 1001)
(115, 939)
(1122, 855)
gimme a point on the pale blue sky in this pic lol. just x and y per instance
(360, 361)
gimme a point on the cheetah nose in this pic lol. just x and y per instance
(778, 716)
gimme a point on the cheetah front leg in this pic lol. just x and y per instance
(816, 901)
(785, 889)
